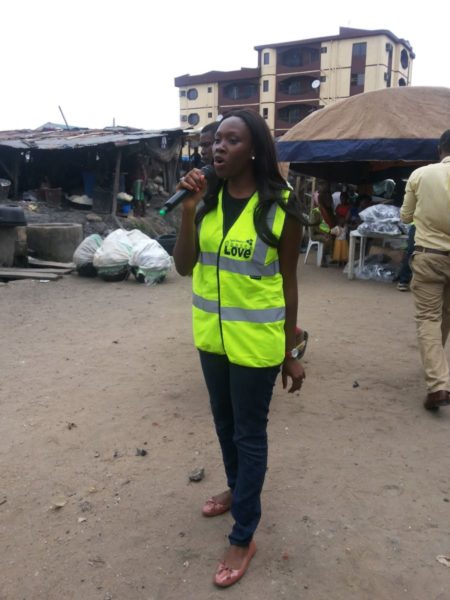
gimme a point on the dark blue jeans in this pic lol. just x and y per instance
(240, 399)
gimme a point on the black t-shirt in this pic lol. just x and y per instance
(232, 208)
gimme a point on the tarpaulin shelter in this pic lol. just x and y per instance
(369, 137)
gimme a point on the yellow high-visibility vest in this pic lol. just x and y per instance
(323, 226)
(238, 299)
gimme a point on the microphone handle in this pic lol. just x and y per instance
(178, 197)
(174, 201)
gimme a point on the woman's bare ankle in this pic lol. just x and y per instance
(223, 497)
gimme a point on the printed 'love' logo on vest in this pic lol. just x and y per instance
(238, 248)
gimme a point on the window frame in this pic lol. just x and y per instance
(193, 119)
(404, 59)
(357, 48)
(192, 94)
(357, 79)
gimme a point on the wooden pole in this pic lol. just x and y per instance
(16, 175)
(60, 110)
(116, 181)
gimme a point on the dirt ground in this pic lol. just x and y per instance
(356, 502)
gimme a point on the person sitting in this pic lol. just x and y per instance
(320, 231)
(324, 219)
(340, 246)
(325, 203)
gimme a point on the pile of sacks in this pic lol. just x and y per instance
(121, 253)
(381, 218)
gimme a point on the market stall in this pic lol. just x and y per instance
(369, 137)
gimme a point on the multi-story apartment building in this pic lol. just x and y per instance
(293, 79)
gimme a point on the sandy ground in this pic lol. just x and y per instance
(356, 502)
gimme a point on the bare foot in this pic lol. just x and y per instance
(223, 498)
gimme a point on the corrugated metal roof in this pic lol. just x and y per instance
(28, 139)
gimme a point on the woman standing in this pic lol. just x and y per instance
(242, 246)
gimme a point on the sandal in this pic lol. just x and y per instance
(211, 508)
(226, 576)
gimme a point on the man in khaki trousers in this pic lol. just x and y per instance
(427, 202)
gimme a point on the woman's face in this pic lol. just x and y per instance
(232, 149)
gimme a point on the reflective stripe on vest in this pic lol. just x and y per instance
(238, 299)
(243, 268)
(263, 315)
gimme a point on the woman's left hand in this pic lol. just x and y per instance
(294, 369)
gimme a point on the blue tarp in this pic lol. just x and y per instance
(357, 150)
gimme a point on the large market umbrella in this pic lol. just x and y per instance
(371, 136)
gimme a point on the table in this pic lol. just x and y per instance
(354, 235)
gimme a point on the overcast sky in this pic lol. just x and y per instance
(102, 60)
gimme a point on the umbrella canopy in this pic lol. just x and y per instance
(371, 136)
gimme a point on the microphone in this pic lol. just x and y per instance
(178, 197)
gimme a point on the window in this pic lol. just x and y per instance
(295, 86)
(357, 79)
(300, 57)
(209, 115)
(323, 50)
(193, 119)
(232, 91)
(292, 58)
(240, 91)
(192, 94)
(404, 59)
(295, 113)
(265, 113)
(183, 118)
(359, 49)
(266, 58)
(182, 93)
(265, 85)
(401, 82)
(209, 89)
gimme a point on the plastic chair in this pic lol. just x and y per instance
(320, 248)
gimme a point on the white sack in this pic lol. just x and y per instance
(84, 254)
(115, 250)
(151, 256)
